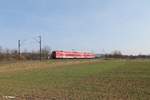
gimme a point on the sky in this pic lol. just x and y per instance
(99, 26)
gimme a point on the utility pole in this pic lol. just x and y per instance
(40, 44)
(39, 41)
(19, 48)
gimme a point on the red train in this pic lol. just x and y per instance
(72, 54)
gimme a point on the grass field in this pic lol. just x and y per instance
(76, 80)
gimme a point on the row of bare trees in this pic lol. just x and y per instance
(118, 54)
(13, 54)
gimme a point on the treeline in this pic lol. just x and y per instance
(9, 54)
(118, 54)
(13, 55)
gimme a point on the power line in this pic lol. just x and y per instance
(37, 39)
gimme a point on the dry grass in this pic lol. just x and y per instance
(76, 80)
(31, 65)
